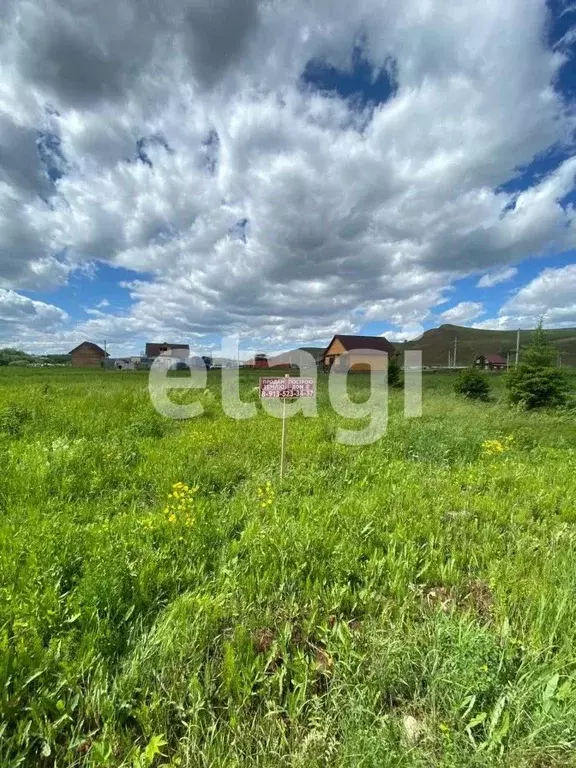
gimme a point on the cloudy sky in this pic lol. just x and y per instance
(283, 169)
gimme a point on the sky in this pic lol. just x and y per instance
(283, 170)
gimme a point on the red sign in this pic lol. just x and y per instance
(287, 387)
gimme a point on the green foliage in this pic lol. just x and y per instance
(533, 387)
(13, 417)
(8, 356)
(21, 363)
(18, 358)
(536, 382)
(244, 621)
(540, 354)
(395, 378)
(472, 384)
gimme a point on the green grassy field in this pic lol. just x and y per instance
(406, 603)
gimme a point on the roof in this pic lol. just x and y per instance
(90, 345)
(378, 343)
(495, 359)
(153, 348)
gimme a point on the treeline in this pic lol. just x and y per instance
(11, 356)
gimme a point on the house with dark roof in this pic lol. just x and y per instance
(155, 349)
(358, 353)
(88, 355)
(490, 363)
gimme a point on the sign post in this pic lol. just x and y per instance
(283, 447)
(285, 388)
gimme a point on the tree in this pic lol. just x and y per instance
(9, 355)
(537, 382)
(394, 372)
(472, 384)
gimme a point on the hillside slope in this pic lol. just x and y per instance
(436, 342)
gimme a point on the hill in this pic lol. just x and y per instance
(436, 343)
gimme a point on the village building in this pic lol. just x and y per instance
(490, 363)
(167, 353)
(88, 355)
(358, 353)
(258, 361)
(123, 364)
(155, 349)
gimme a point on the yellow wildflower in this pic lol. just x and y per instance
(492, 447)
(496, 447)
(266, 495)
(180, 504)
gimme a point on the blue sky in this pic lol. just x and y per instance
(285, 173)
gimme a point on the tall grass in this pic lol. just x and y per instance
(252, 622)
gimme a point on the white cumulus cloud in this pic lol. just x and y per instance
(462, 313)
(20, 314)
(491, 279)
(179, 139)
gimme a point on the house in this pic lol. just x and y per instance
(124, 364)
(490, 363)
(358, 353)
(154, 350)
(259, 361)
(88, 355)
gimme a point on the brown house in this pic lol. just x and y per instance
(490, 362)
(358, 353)
(88, 355)
(154, 349)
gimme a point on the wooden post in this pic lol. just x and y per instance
(283, 446)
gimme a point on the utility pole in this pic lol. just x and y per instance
(104, 345)
(455, 350)
(449, 359)
(517, 346)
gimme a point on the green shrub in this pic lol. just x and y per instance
(537, 382)
(473, 384)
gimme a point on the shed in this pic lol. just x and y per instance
(358, 353)
(88, 355)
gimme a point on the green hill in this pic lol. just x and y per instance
(472, 342)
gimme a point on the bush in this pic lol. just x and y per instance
(473, 384)
(536, 382)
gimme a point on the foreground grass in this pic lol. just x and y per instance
(407, 603)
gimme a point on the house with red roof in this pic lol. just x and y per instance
(490, 363)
